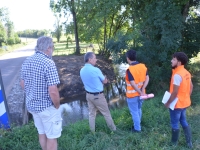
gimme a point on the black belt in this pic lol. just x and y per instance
(94, 93)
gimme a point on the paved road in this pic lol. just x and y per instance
(10, 65)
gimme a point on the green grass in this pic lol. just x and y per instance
(156, 131)
(62, 48)
(155, 125)
(10, 48)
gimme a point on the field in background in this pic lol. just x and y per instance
(28, 40)
(60, 48)
(63, 49)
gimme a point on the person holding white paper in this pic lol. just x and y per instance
(137, 79)
(180, 87)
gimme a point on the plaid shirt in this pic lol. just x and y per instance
(38, 72)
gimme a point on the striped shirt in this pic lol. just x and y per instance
(38, 72)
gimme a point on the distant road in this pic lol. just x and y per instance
(10, 65)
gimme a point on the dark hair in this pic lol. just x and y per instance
(88, 56)
(181, 56)
(131, 54)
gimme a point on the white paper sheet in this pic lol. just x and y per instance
(166, 98)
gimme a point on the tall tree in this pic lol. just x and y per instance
(65, 6)
(3, 36)
(10, 32)
(73, 11)
(10, 28)
(101, 20)
(4, 14)
(58, 28)
(3, 19)
(7, 33)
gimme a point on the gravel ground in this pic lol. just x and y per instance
(16, 105)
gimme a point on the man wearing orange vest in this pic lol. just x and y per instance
(180, 87)
(137, 79)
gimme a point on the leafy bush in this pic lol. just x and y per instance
(11, 41)
(3, 35)
(17, 39)
(117, 47)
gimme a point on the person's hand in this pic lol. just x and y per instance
(167, 105)
(143, 93)
(107, 80)
(57, 107)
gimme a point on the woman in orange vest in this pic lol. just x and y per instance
(180, 87)
(137, 79)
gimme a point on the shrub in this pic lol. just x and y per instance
(11, 41)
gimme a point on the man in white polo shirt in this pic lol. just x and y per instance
(93, 81)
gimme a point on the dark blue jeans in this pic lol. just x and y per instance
(176, 116)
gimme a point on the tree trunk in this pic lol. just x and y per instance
(118, 25)
(75, 28)
(112, 22)
(105, 35)
(185, 10)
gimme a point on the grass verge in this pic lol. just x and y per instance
(10, 48)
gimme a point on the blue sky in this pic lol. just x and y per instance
(29, 14)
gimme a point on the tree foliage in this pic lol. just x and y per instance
(58, 28)
(7, 33)
(156, 29)
(101, 20)
(32, 33)
(4, 15)
(3, 36)
(159, 33)
(66, 6)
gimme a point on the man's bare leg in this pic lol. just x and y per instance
(51, 144)
(43, 141)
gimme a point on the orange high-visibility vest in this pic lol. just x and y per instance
(138, 71)
(184, 88)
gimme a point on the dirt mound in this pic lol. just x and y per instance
(69, 73)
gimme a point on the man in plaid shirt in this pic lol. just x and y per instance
(39, 79)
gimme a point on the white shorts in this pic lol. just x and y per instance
(48, 122)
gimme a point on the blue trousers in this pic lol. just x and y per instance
(176, 116)
(135, 107)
